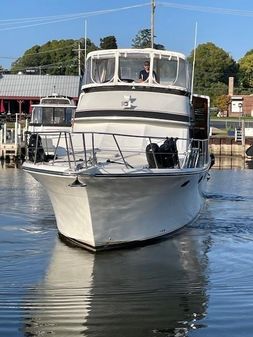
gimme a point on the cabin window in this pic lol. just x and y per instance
(52, 116)
(54, 100)
(62, 116)
(170, 70)
(130, 66)
(100, 70)
(47, 117)
(59, 116)
(37, 116)
(182, 74)
(167, 70)
(69, 115)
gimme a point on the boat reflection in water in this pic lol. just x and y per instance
(231, 162)
(158, 290)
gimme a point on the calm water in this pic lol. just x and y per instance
(200, 283)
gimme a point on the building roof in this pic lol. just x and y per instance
(31, 86)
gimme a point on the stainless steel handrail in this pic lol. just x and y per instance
(196, 154)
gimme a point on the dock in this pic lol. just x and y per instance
(12, 140)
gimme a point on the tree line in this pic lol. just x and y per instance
(213, 65)
(58, 57)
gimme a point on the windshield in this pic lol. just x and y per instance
(131, 65)
(54, 100)
(162, 69)
(52, 116)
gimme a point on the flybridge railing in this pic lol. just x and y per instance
(82, 150)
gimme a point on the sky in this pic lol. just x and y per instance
(226, 23)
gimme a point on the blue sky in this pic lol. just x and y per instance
(227, 23)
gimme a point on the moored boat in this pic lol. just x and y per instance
(52, 115)
(138, 154)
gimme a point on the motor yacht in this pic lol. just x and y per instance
(137, 156)
(52, 115)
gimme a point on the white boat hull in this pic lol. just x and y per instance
(121, 209)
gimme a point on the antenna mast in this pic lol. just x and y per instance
(194, 59)
(85, 44)
(152, 22)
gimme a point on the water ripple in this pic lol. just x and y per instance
(227, 197)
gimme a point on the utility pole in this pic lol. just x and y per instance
(79, 58)
(152, 22)
(40, 82)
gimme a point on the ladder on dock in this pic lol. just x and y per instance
(238, 134)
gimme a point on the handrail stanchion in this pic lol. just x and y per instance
(72, 148)
(67, 149)
(55, 150)
(47, 150)
(120, 151)
(84, 149)
(93, 148)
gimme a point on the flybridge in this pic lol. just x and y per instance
(124, 66)
(56, 99)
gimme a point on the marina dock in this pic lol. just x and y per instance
(12, 140)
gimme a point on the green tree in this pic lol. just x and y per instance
(57, 57)
(213, 91)
(143, 40)
(213, 67)
(246, 70)
(108, 42)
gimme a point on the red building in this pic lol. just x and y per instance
(19, 92)
(240, 105)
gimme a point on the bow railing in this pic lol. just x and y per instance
(86, 149)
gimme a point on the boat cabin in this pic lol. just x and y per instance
(123, 66)
(114, 89)
(53, 110)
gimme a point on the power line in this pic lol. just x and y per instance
(104, 11)
(39, 21)
(213, 10)
(45, 20)
(40, 52)
(8, 57)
